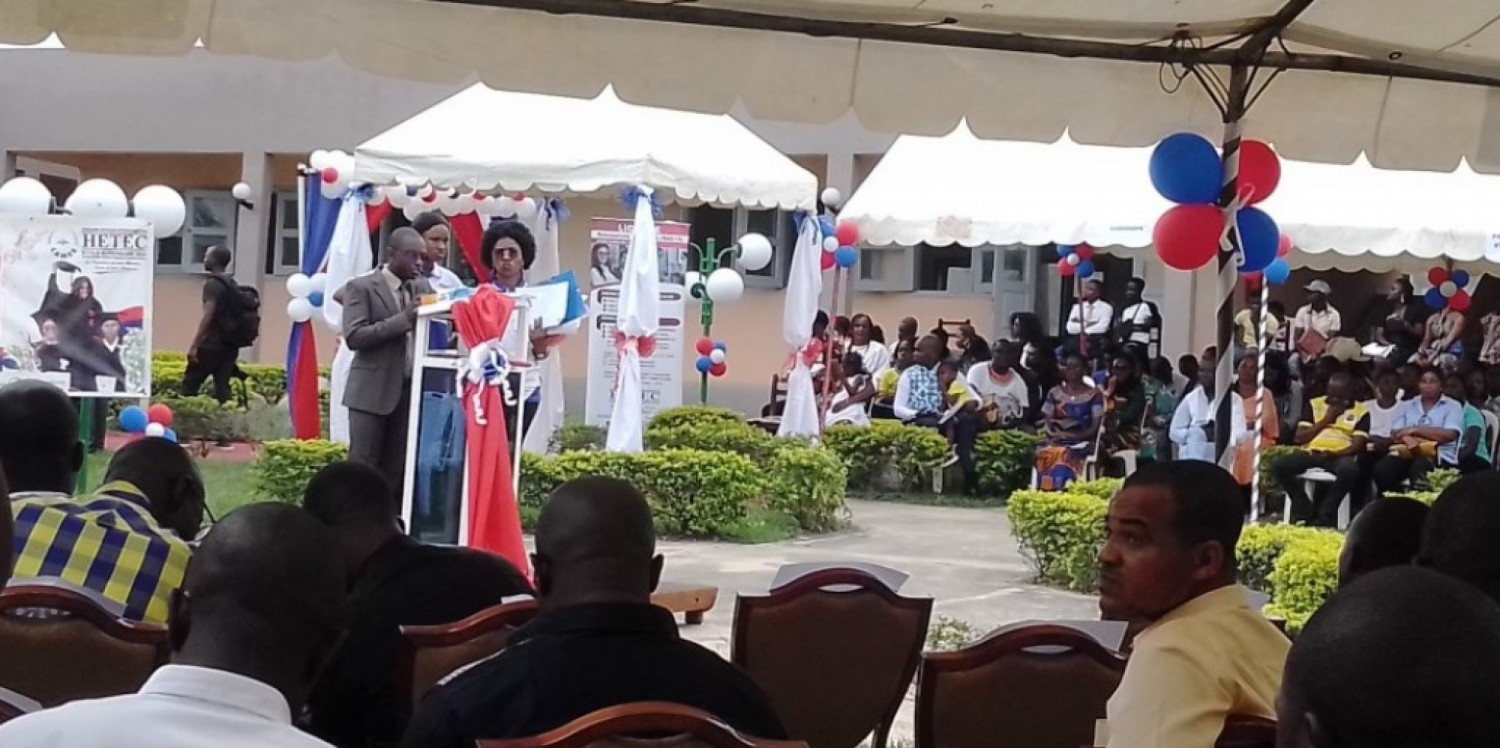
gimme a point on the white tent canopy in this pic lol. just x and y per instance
(961, 190)
(914, 66)
(488, 140)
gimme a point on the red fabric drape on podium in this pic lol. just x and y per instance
(468, 232)
(494, 514)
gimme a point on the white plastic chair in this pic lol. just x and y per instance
(1310, 482)
(1492, 433)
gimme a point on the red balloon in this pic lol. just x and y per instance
(1187, 236)
(718, 369)
(1066, 269)
(828, 261)
(705, 346)
(1260, 171)
(1285, 247)
(1459, 301)
(1252, 280)
(159, 413)
(1437, 276)
(330, 175)
(1084, 252)
(847, 234)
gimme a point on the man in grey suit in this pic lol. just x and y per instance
(380, 312)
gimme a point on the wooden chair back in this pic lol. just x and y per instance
(643, 725)
(60, 646)
(429, 653)
(1244, 731)
(835, 650)
(1041, 686)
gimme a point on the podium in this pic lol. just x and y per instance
(435, 486)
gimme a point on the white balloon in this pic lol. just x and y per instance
(300, 309)
(397, 196)
(425, 191)
(343, 162)
(26, 196)
(526, 211)
(716, 356)
(506, 207)
(415, 208)
(298, 285)
(241, 191)
(832, 198)
(318, 160)
(1448, 289)
(447, 203)
(377, 197)
(163, 207)
(467, 203)
(317, 284)
(334, 190)
(692, 278)
(725, 286)
(98, 198)
(155, 429)
(1073, 260)
(755, 251)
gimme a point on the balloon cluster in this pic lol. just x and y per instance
(162, 206)
(838, 243)
(1075, 260)
(153, 421)
(1185, 168)
(711, 357)
(1448, 289)
(307, 295)
(335, 171)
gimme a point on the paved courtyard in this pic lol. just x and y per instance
(965, 559)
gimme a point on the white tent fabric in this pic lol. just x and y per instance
(804, 286)
(896, 87)
(577, 146)
(553, 408)
(349, 254)
(962, 190)
(637, 317)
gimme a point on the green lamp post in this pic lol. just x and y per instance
(717, 282)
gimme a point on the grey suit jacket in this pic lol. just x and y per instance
(375, 328)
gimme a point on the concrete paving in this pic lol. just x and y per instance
(965, 559)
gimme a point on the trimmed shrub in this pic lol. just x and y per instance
(1261, 545)
(1004, 460)
(693, 415)
(807, 484)
(1060, 535)
(1303, 578)
(910, 453)
(200, 417)
(285, 466)
(1270, 490)
(737, 437)
(575, 436)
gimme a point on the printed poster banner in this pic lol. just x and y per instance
(661, 374)
(75, 303)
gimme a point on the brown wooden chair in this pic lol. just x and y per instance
(429, 653)
(1040, 686)
(1244, 731)
(643, 725)
(60, 646)
(835, 662)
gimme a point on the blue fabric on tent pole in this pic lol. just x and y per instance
(320, 216)
(440, 444)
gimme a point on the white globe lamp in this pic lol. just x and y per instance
(162, 206)
(725, 286)
(26, 196)
(241, 191)
(755, 251)
(833, 198)
(98, 198)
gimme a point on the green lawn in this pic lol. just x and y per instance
(229, 485)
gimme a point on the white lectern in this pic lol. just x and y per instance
(435, 487)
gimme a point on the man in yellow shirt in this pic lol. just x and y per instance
(1333, 434)
(1168, 562)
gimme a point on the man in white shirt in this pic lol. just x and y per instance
(1091, 315)
(1192, 428)
(1315, 324)
(1004, 394)
(1138, 320)
(1168, 561)
(250, 629)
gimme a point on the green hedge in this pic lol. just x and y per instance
(284, 467)
(736, 437)
(1060, 534)
(887, 455)
(1004, 460)
(267, 381)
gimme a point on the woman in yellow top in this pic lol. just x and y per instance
(1247, 324)
(888, 378)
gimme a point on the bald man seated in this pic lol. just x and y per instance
(249, 632)
(597, 640)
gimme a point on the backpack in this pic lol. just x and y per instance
(238, 323)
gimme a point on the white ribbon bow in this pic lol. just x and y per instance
(486, 366)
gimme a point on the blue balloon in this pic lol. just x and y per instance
(826, 224)
(1063, 250)
(315, 298)
(704, 364)
(170, 435)
(1278, 272)
(1435, 298)
(1084, 268)
(1185, 169)
(719, 345)
(845, 257)
(1460, 278)
(133, 419)
(1259, 239)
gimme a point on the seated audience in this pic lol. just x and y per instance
(1402, 657)
(1386, 533)
(872, 352)
(1071, 416)
(959, 421)
(126, 545)
(1090, 319)
(1411, 380)
(889, 378)
(1424, 435)
(1192, 428)
(7, 557)
(1125, 406)
(1315, 324)
(1004, 394)
(1187, 375)
(972, 348)
(1253, 431)
(919, 398)
(1333, 438)
(1156, 444)
(249, 631)
(851, 393)
(1168, 560)
(1458, 538)
(1492, 388)
(1403, 328)
(597, 640)
(1474, 443)
(1288, 393)
(394, 581)
(1442, 340)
